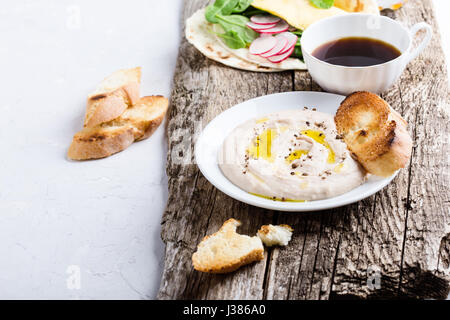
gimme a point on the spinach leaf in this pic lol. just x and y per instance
(238, 24)
(232, 39)
(242, 5)
(224, 7)
(297, 53)
(322, 4)
(251, 11)
(210, 13)
(237, 34)
(229, 6)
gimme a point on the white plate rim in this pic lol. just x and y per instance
(248, 198)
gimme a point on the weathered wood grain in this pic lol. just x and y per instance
(403, 231)
(424, 88)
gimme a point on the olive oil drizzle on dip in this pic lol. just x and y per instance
(262, 145)
(319, 137)
(296, 154)
(291, 156)
(276, 199)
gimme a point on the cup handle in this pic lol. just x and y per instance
(416, 28)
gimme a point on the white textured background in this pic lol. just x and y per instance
(57, 216)
(101, 218)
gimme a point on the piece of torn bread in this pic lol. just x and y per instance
(375, 133)
(113, 96)
(225, 251)
(138, 122)
(279, 235)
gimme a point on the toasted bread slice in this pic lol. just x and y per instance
(136, 123)
(113, 96)
(226, 250)
(145, 116)
(376, 134)
(275, 235)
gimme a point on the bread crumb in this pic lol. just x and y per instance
(275, 235)
(226, 250)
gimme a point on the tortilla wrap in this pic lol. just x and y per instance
(298, 13)
(199, 33)
(244, 54)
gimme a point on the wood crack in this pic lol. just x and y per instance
(317, 253)
(407, 206)
(335, 263)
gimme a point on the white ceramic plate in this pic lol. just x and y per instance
(214, 134)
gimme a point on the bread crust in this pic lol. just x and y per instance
(225, 262)
(146, 127)
(109, 104)
(376, 134)
(96, 143)
(116, 135)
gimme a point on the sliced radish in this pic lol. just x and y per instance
(281, 26)
(282, 42)
(291, 38)
(262, 45)
(281, 57)
(260, 27)
(264, 19)
(289, 35)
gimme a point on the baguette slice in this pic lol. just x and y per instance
(226, 250)
(113, 96)
(136, 123)
(375, 133)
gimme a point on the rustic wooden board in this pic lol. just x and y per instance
(402, 232)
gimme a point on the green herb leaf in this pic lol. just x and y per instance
(242, 5)
(224, 7)
(252, 11)
(233, 40)
(228, 7)
(237, 24)
(322, 4)
(210, 13)
(237, 34)
(297, 53)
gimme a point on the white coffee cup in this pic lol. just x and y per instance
(376, 78)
